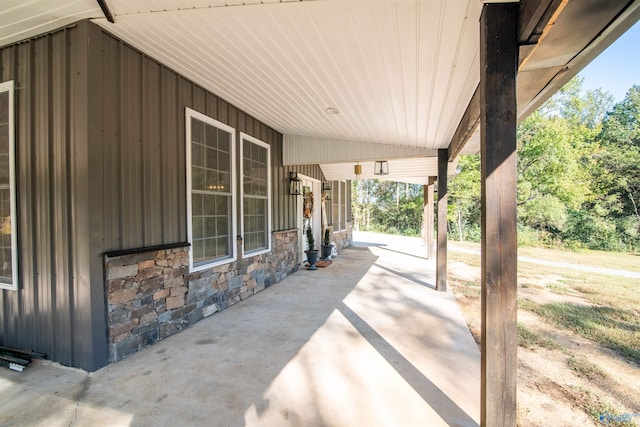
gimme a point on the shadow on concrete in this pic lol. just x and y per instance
(294, 354)
(406, 276)
(404, 253)
(446, 408)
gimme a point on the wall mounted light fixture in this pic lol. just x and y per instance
(326, 188)
(295, 184)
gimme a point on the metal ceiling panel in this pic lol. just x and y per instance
(398, 72)
(414, 171)
(21, 19)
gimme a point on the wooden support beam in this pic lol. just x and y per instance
(498, 70)
(533, 17)
(468, 124)
(428, 216)
(441, 262)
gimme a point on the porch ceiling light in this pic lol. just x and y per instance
(357, 169)
(331, 110)
(295, 184)
(381, 167)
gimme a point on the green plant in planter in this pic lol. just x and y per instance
(326, 245)
(310, 240)
(312, 253)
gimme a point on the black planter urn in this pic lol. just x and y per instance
(312, 257)
(326, 251)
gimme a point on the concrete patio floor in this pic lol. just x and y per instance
(366, 341)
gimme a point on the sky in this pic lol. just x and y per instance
(617, 68)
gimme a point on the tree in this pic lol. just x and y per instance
(388, 207)
(620, 163)
(464, 197)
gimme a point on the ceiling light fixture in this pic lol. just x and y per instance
(381, 167)
(331, 110)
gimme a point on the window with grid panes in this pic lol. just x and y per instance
(343, 205)
(256, 190)
(335, 205)
(8, 233)
(210, 157)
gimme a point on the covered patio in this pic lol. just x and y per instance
(365, 341)
(330, 86)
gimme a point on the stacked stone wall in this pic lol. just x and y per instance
(151, 295)
(343, 238)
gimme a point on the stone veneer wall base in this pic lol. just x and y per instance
(151, 295)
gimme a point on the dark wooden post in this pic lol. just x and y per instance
(498, 69)
(441, 263)
(428, 216)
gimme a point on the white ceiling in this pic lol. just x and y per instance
(20, 19)
(399, 72)
(412, 170)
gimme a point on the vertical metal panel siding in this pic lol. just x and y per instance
(101, 166)
(52, 309)
(143, 147)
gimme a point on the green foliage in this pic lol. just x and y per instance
(311, 241)
(547, 212)
(387, 207)
(327, 237)
(614, 328)
(578, 174)
(464, 193)
(578, 179)
(585, 368)
(529, 339)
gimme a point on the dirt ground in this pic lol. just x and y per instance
(563, 379)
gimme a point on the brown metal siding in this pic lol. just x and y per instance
(100, 143)
(141, 135)
(55, 309)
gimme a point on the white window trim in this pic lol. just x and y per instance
(13, 286)
(262, 144)
(344, 206)
(234, 255)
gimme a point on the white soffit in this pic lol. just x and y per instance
(413, 171)
(22, 19)
(304, 150)
(398, 71)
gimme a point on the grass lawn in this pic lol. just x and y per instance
(613, 322)
(603, 310)
(614, 260)
(579, 332)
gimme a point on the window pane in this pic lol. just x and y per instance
(210, 251)
(224, 140)
(211, 136)
(211, 198)
(6, 226)
(211, 158)
(335, 204)
(197, 178)
(255, 178)
(5, 232)
(343, 205)
(197, 131)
